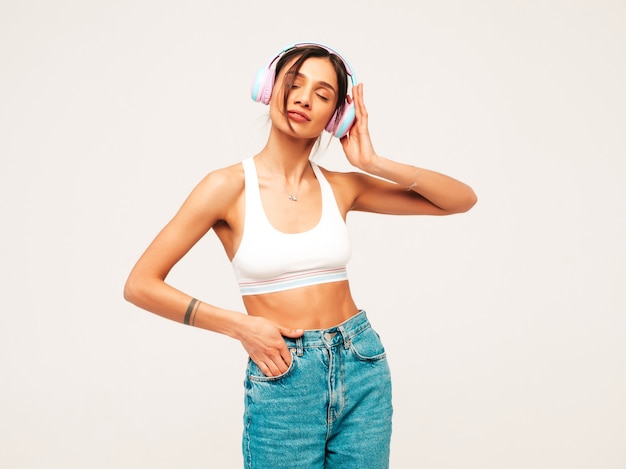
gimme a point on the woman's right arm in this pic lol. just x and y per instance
(211, 201)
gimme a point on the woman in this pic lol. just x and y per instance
(317, 389)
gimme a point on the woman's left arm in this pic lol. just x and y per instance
(417, 190)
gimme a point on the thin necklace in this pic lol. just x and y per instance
(290, 196)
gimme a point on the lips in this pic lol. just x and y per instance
(298, 116)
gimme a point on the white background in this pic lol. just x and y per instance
(504, 326)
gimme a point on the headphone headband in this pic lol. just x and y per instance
(346, 64)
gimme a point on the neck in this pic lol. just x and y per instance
(287, 157)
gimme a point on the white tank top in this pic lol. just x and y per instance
(269, 260)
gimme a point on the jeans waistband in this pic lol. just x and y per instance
(336, 335)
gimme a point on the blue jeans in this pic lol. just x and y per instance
(330, 409)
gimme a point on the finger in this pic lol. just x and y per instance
(269, 368)
(356, 94)
(356, 100)
(263, 367)
(280, 363)
(361, 104)
(292, 333)
(286, 357)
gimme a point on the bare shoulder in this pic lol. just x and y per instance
(222, 186)
(343, 177)
(227, 179)
(212, 199)
(346, 186)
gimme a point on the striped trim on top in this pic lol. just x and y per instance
(303, 279)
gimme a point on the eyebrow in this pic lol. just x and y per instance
(328, 85)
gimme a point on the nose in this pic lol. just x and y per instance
(301, 97)
(303, 102)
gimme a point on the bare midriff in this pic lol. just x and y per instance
(314, 307)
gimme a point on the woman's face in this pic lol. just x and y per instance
(311, 101)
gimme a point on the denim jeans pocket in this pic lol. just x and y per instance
(254, 373)
(366, 346)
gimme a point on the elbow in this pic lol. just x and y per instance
(140, 289)
(132, 290)
(470, 201)
(128, 292)
(465, 203)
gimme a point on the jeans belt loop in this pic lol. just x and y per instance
(344, 336)
(299, 347)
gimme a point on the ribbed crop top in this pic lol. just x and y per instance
(269, 260)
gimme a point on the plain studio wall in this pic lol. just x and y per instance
(503, 325)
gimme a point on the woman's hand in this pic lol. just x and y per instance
(357, 144)
(263, 340)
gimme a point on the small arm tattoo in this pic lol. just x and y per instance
(190, 314)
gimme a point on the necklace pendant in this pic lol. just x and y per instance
(293, 198)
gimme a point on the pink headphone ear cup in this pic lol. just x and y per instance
(340, 124)
(262, 85)
(268, 86)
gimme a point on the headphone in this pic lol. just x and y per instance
(261, 90)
